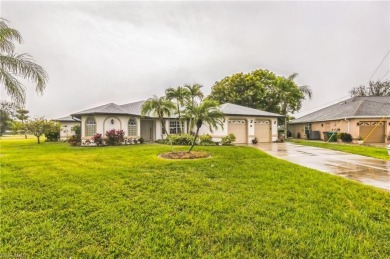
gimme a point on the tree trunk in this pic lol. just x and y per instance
(39, 142)
(193, 142)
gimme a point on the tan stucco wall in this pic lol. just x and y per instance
(66, 129)
(348, 126)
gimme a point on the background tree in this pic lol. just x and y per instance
(178, 94)
(21, 114)
(160, 107)
(14, 65)
(206, 112)
(7, 114)
(37, 127)
(290, 96)
(373, 88)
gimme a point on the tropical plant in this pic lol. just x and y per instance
(14, 65)
(178, 94)
(7, 114)
(228, 140)
(160, 107)
(373, 88)
(115, 137)
(207, 112)
(194, 92)
(180, 139)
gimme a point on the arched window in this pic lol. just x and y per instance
(90, 127)
(132, 128)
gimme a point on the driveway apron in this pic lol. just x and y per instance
(366, 170)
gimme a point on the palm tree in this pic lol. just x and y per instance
(179, 94)
(13, 65)
(160, 107)
(291, 96)
(194, 91)
(206, 112)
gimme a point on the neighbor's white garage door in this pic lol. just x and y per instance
(239, 129)
(263, 130)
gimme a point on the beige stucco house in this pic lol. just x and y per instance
(67, 123)
(245, 123)
(367, 117)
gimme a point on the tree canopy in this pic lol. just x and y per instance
(373, 88)
(14, 65)
(261, 89)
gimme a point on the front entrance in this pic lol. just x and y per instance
(147, 130)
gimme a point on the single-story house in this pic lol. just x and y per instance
(67, 123)
(245, 123)
(367, 117)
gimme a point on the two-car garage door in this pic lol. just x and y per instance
(239, 128)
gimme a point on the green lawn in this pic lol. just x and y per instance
(370, 151)
(60, 202)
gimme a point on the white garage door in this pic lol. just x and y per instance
(239, 129)
(263, 130)
(376, 135)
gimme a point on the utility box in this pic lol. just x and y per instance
(314, 135)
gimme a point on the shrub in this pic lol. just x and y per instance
(162, 141)
(97, 138)
(141, 140)
(255, 140)
(76, 129)
(228, 140)
(75, 140)
(115, 137)
(182, 139)
(345, 137)
(52, 136)
(205, 139)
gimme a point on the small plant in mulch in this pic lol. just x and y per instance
(185, 155)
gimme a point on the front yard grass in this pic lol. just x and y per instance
(60, 202)
(370, 151)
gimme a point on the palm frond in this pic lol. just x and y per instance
(7, 36)
(13, 87)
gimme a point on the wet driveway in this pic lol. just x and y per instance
(366, 170)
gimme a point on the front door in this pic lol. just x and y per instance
(147, 130)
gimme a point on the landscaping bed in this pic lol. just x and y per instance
(185, 155)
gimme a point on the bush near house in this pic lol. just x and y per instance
(228, 140)
(115, 137)
(344, 137)
(180, 139)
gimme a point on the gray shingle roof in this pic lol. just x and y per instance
(110, 108)
(135, 109)
(67, 119)
(355, 107)
(234, 109)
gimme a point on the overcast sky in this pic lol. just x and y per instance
(101, 52)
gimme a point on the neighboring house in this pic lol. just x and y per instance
(245, 123)
(367, 117)
(66, 126)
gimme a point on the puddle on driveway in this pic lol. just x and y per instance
(370, 171)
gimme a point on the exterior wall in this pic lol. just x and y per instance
(66, 129)
(217, 134)
(103, 124)
(348, 126)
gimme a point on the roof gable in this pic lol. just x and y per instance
(234, 109)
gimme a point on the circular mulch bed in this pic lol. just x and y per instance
(185, 155)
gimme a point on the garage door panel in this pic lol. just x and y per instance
(263, 131)
(239, 129)
(374, 130)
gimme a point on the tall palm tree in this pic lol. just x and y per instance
(160, 107)
(14, 65)
(178, 94)
(194, 91)
(206, 112)
(291, 96)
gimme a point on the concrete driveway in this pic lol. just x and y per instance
(366, 170)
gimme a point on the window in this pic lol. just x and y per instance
(132, 127)
(174, 127)
(90, 127)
